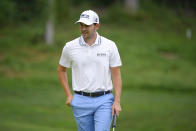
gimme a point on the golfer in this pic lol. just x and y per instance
(94, 59)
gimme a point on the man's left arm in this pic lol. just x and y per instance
(117, 83)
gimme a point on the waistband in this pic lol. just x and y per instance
(93, 94)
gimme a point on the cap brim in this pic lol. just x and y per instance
(84, 21)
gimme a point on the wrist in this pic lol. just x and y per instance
(69, 94)
(117, 97)
(116, 100)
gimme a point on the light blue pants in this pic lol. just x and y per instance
(93, 113)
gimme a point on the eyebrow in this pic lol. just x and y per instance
(81, 24)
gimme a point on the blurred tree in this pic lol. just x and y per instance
(96, 3)
(186, 5)
(132, 6)
(16, 11)
(49, 34)
(20, 11)
(62, 11)
(7, 11)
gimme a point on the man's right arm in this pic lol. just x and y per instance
(62, 73)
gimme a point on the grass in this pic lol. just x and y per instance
(157, 111)
(41, 107)
(156, 59)
(158, 75)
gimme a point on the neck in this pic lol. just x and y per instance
(91, 39)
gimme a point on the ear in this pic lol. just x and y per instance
(97, 26)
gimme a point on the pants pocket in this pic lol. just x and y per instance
(71, 104)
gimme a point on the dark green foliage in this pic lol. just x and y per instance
(7, 11)
(17, 11)
(62, 11)
(95, 3)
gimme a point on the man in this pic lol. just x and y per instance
(93, 59)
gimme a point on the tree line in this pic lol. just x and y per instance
(16, 11)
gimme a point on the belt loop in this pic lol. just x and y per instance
(104, 92)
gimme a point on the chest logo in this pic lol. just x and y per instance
(101, 54)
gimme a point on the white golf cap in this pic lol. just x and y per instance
(88, 17)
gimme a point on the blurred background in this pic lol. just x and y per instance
(156, 40)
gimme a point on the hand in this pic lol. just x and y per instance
(116, 107)
(69, 99)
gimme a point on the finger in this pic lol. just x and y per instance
(68, 103)
(117, 112)
(112, 111)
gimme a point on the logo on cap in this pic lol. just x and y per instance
(84, 16)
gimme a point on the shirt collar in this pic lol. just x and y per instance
(97, 41)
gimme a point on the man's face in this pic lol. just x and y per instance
(88, 31)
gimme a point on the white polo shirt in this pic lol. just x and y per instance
(90, 64)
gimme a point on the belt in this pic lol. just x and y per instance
(94, 94)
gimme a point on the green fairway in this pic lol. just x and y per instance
(42, 108)
(153, 111)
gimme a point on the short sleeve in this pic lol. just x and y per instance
(115, 59)
(65, 58)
